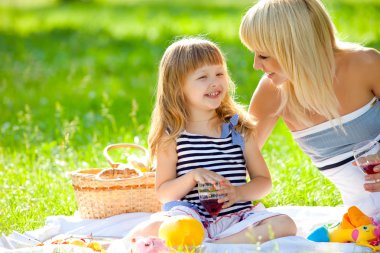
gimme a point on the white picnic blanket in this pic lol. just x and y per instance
(306, 218)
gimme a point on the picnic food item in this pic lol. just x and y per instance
(78, 242)
(138, 163)
(123, 188)
(94, 245)
(151, 244)
(181, 231)
(355, 227)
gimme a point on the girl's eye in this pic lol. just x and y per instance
(220, 74)
(202, 77)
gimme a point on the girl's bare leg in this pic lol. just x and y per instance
(268, 229)
(144, 229)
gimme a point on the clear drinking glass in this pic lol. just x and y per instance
(208, 195)
(367, 155)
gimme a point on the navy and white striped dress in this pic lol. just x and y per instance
(215, 154)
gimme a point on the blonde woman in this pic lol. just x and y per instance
(326, 91)
(200, 135)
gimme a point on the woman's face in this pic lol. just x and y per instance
(270, 66)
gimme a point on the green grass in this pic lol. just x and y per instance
(78, 76)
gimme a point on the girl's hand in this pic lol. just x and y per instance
(375, 186)
(230, 192)
(202, 175)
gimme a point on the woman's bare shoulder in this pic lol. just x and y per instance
(362, 58)
(358, 76)
(367, 64)
(360, 65)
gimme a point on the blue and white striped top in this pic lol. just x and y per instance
(216, 154)
(330, 147)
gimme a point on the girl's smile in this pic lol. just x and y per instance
(214, 94)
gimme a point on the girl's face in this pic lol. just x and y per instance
(268, 64)
(205, 88)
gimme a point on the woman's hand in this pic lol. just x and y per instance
(230, 192)
(375, 186)
(201, 175)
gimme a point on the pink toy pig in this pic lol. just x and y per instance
(149, 244)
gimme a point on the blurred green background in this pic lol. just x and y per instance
(76, 76)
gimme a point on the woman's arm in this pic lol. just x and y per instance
(264, 104)
(373, 73)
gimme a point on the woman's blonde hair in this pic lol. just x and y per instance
(169, 115)
(300, 35)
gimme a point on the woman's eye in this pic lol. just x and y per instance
(263, 57)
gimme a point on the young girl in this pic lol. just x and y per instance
(199, 134)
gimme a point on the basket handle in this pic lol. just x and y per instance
(121, 145)
(120, 166)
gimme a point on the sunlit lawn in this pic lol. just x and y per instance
(76, 77)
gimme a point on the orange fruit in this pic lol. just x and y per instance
(181, 231)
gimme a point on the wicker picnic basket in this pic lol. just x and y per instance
(123, 188)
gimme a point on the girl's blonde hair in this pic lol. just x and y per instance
(300, 35)
(169, 115)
